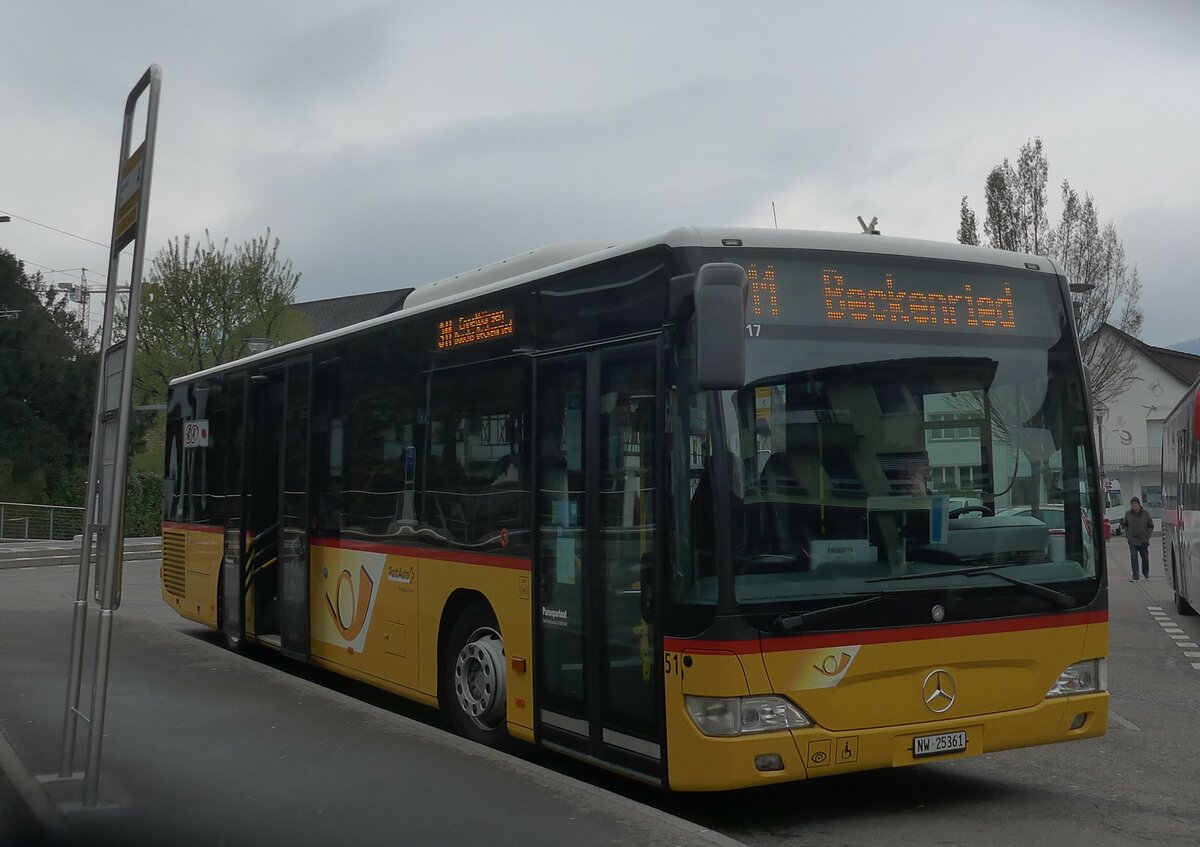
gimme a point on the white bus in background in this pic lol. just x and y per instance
(1181, 501)
(1114, 503)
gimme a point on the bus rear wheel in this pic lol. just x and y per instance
(474, 681)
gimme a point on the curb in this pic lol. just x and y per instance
(40, 814)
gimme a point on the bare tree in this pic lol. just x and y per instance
(1029, 195)
(1090, 254)
(1001, 220)
(968, 229)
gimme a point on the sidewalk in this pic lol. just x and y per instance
(207, 747)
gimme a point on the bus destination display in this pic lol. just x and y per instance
(811, 294)
(474, 328)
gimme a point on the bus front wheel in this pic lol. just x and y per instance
(474, 682)
(1181, 605)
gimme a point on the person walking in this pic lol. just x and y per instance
(1137, 526)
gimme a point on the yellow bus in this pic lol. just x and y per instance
(713, 509)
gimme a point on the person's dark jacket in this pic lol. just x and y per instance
(1137, 527)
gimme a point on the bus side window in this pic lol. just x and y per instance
(476, 492)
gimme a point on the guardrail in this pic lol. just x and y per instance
(34, 522)
(1131, 457)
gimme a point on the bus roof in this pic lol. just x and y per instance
(557, 258)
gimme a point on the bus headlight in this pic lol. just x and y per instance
(1081, 678)
(729, 716)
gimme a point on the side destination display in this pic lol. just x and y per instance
(474, 328)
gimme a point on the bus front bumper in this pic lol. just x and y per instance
(703, 763)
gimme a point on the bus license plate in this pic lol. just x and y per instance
(937, 745)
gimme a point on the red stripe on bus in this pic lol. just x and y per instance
(885, 636)
(426, 553)
(194, 527)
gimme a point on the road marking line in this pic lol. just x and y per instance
(1187, 644)
(1175, 631)
(1192, 654)
(1167, 622)
(28, 568)
(1160, 616)
(1179, 637)
(1120, 720)
(1196, 665)
(1155, 608)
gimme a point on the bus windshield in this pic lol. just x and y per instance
(905, 419)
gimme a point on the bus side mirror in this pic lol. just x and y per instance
(721, 289)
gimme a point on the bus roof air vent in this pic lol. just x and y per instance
(514, 266)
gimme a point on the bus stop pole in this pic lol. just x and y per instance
(79, 615)
(114, 538)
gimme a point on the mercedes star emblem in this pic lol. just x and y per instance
(939, 691)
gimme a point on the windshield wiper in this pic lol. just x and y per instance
(1060, 597)
(787, 623)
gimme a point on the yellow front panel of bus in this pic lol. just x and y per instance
(869, 694)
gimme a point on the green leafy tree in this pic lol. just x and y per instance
(201, 302)
(47, 384)
(1092, 255)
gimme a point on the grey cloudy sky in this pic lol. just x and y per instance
(390, 144)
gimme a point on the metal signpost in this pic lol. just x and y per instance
(104, 517)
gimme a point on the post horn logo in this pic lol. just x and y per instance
(832, 665)
(348, 607)
(939, 691)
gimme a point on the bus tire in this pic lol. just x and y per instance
(474, 679)
(1182, 606)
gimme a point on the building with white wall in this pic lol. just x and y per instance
(1129, 427)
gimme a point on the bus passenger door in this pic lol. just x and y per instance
(294, 513)
(597, 471)
(276, 504)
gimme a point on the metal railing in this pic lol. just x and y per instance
(33, 522)
(1132, 457)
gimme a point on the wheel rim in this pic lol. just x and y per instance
(479, 679)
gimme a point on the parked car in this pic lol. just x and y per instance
(1052, 516)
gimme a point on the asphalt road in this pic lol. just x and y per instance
(1140, 784)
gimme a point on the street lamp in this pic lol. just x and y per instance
(257, 345)
(5, 219)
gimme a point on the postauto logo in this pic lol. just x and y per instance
(350, 599)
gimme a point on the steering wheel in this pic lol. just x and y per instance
(986, 511)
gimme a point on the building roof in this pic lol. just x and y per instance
(337, 312)
(1185, 367)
